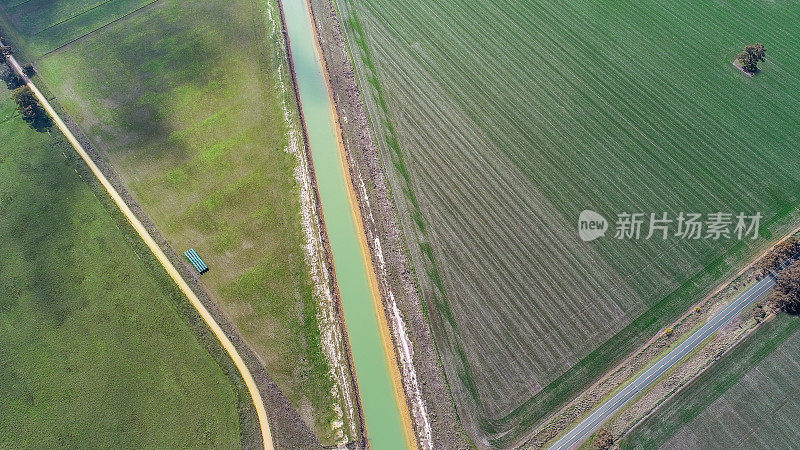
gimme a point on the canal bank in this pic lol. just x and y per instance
(383, 403)
(361, 123)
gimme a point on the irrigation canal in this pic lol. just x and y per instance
(381, 404)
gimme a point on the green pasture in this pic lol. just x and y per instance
(47, 25)
(94, 351)
(183, 99)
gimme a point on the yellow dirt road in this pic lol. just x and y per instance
(162, 258)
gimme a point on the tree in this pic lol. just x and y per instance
(777, 255)
(31, 110)
(29, 70)
(24, 96)
(10, 77)
(786, 296)
(751, 56)
(603, 439)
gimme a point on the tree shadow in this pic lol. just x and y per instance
(41, 123)
(10, 77)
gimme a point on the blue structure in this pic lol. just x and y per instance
(198, 263)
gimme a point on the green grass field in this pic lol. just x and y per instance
(183, 99)
(94, 350)
(49, 25)
(746, 400)
(501, 121)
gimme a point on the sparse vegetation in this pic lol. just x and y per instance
(603, 439)
(777, 255)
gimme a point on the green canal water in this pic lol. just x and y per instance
(379, 403)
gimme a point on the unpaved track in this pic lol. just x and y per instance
(162, 259)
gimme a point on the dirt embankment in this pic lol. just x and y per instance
(430, 403)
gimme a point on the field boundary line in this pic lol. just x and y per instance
(72, 17)
(126, 15)
(162, 258)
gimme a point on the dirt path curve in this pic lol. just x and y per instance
(162, 259)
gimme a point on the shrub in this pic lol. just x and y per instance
(603, 439)
(31, 110)
(777, 256)
(10, 77)
(786, 296)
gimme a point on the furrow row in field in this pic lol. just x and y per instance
(494, 274)
(513, 117)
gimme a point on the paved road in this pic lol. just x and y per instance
(591, 423)
(162, 258)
